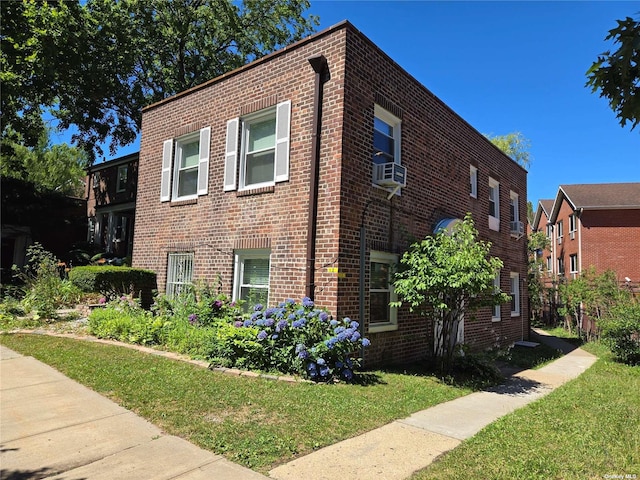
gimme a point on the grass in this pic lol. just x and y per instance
(256, 422)
(589, 428)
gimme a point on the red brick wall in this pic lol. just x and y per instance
(611, 241)
(437, 148)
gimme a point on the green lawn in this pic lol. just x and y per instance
(256, 422)
(589, 428)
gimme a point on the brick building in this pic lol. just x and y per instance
(111, 204)
(592, 225)
(309, 172)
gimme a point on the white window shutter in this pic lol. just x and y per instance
(165, 182)
(203, 164)
(231, 155)
(283, 120)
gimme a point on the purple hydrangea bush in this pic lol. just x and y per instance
(294, 338)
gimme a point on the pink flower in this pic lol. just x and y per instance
(102, 301)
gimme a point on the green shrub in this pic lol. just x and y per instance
(182, 337)
(115, 281)
(45, 290)
(125, 321)
(621, 331)
(292, 338)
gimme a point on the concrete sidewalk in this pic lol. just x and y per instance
(53, 427)
(397, 450)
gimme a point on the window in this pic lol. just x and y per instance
(560, 265)
(572, 226)
(495, 315)
(381, 316)
(189, 165)
(573, 264)
(251, 281)
(549, 264)
(123, 171)
(516, 227)
(515, 294)
(494, 204)
(179, 272)
(549, 232)
(559, 231)
(386, 137)
(473, 178)
(264, 148)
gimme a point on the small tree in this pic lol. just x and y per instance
(538, 241)
(445, 277)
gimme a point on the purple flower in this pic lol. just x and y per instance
(324, 371)
(355, 337)
(365, 342)
(269, 322)
(290, 301)
(262, 335)
(307, 302)
(354, 325)
(292, 316)
(347, 374)
(300, 347)
(300, 311)
(333, 323)
(282, 324)
(248, 323)
(102, 301)
(303, 354)
(193, 319)
(321, 361)
(274, 336)
(339, 330)
(324, 316)
(258, 307)
(237, 324)
(298, 324)
(269, 312)
(217, 304)
(330, 343)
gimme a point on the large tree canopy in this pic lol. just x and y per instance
(515, 145)
(617, 74)
(95, 65)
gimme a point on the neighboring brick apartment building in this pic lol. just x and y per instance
(309, 172)
(591, 225)
(111, 204)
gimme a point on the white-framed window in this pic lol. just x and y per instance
(386, 137)
(515, 294)
(550, 231)
(473, 180)
(382, 317)
(495, 312)
(514, 213)
(179, 272)
(559, 231)
(187, 164)
(251, 277)
(560, 265)
(549, 264)
(572, 226)
(263, 152)
(573, 264)
(123, 172)
(494, 204)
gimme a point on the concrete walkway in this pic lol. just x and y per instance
(53, 427)
(397, 450)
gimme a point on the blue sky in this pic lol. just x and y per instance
(511, 66)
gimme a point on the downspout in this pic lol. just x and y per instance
(319, 65)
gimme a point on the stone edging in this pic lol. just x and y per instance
(165, 354)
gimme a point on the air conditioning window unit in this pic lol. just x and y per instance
(389, 174)
(517, 229)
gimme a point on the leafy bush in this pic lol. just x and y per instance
(115, 281)
(124, 320)
(293, 338)
(621, 331)
(44, 288)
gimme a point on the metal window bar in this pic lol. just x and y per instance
(179, 273)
